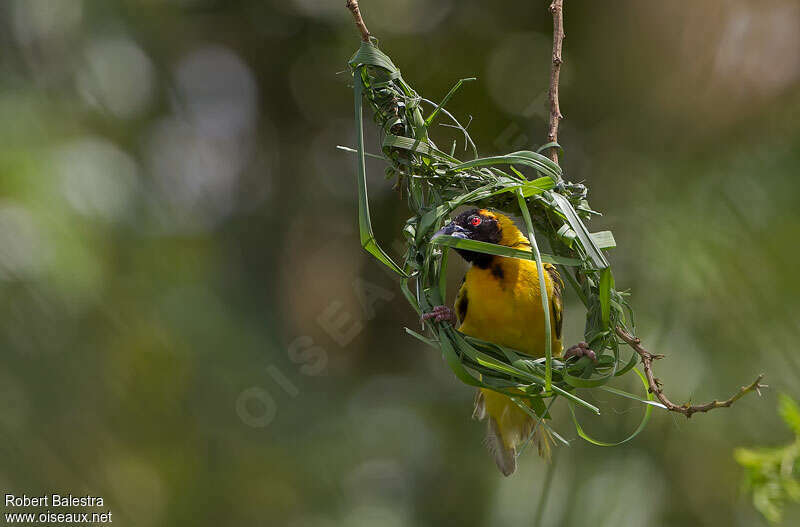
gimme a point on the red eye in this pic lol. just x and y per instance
(475, 221)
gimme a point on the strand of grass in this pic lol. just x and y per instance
(446, 99)
(548, 480)
(354, 151)
(656, 389)
(352, 5)
(556, 8)
(548, 351)
(467, 138)
(366, 234)
(539, 421)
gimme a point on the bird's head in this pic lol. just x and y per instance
(483, 225)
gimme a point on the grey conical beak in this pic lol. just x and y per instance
(451, 229)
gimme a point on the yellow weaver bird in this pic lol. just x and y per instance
(499, 301)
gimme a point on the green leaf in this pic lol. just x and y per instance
(634, 397)
(604, 239)
(582, 233)
(454, 362)
(604, 294)
(535, 378)
(548, 331)
(419, 145)
(364, 222)
(369, 54)
(447, 97)
(523, 157)
(430, 342)
(499, 250)
(642, 424)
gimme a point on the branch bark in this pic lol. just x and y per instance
(655, 385)
(352, 5)
(556, 8)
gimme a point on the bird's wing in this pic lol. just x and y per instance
(556, 301)
(462, 302)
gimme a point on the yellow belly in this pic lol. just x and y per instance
(504, 306)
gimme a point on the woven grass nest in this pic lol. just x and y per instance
(552, 209)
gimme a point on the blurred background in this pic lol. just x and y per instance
(190, 329)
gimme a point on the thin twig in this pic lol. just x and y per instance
(556, 8)
(655, 385)
(352, 5)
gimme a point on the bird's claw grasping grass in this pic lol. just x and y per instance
(440, 314)
(581, 349)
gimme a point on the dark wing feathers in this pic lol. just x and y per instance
(462, 302)
(556, 303)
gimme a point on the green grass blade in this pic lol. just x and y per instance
(604, 295)
(453, 361)
(642, 424)
(369, 54)
(629, 395)
(593, 251)
(526, 158)
(430, 342)
(548, 337)
(364, 221)
(500, 250)
(447, 98)
(604, 239)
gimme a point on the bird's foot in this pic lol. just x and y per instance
(440, 314)
(581, 349)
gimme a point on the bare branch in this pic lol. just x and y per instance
(655, 385)
(352, 5)
(556, 8)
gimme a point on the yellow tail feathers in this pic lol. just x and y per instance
(508, 427)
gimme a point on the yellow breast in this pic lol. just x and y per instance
(503, 305)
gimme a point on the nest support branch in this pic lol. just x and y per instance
(352, 5)
(556, 8)
(656, 389)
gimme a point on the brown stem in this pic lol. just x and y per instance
(556, 8)
(352, 5)
(655, 385)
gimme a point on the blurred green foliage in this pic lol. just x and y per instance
(189, 328)
(773, 474)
